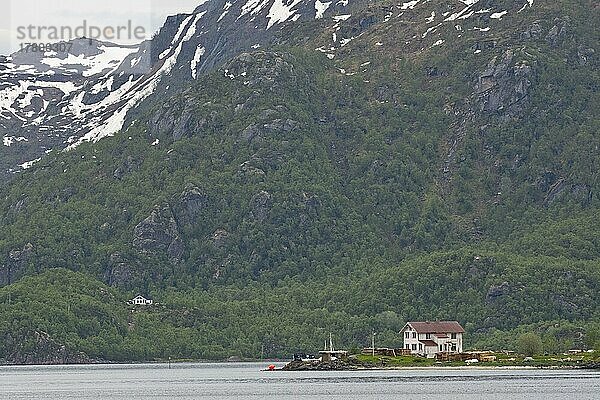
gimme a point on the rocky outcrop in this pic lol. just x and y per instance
(19, 206)
(534, 32)
(256, 133)
(261, 68)
(38, 348)
(496, 292)
(336, 365)
(15, 266)
(503, 88)
(219, 238)
(190, 204)
(158, 234)
(260, 205)
(120, 272)
(179, 119)
(558, 32)
(127, 167)
(585, 55)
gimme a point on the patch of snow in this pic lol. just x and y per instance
(281, 12)
(77, 104)
(344, 42)
(342, 3)
(320, 8)
(468, 15)
(9, 140)
(431, 29)
(132, 93)
(10, 94)
(409, 5)
(163, 54)
(192, 31)
(110, 57)
(253, 7)
(155, 143)
(229, 75)
(464, 13)
(431, 18)
(439, 42)
(378, 44)
(477, 51)
(256, 46)
(134, 61)
(339, 18)
(498, 15)
(481, 29)
(28, 98)
(226, 8)
(100, 86)
(331, 56)
(181, 29)
(194, 64)
(29, 164)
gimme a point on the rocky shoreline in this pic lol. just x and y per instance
(352, 364)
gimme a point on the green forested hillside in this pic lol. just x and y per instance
(286, 195)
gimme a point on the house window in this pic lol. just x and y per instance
(414, 335)
(407, 346)
(420, 346)
(407, 334)
(428, 336)
(453, 336)
(453, 347)
(441, 347)
(414, 346)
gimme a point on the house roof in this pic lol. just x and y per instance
(436, 327)
(428, 343)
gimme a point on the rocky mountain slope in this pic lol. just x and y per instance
(285, 169)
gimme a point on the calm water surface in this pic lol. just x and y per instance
(246, 381)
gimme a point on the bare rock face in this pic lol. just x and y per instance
(159, 234)
(257, 133)
(503, 88)
(127, 167)
(14, 267)
(38, 348)
(219, 238)
(558, 33)
(190, 204)
(495, 293)
(260, 205)
(534, 32)
(181, 118)
(120, 272)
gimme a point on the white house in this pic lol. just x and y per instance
(428, 338)
(140, 301)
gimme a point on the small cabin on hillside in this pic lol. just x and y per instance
(428, 338)
(140, 300)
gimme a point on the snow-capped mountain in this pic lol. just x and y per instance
(51, 101)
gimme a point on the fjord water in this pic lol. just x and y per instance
(247, 381)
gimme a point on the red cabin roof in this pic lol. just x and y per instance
(436, 327)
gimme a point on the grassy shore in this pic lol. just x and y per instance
(581, 360)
